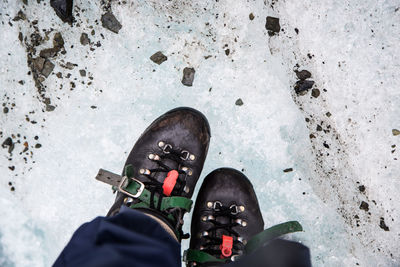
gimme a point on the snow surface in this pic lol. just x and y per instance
(354, 57)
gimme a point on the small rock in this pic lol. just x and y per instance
(303, 75)
(109, 22)
(251, 16)
(93, 107)
(8, 143)
(364, 206)
(296, 30)
(395, 132)
(84, 39)
(319, 128)
(49, 52)
(227, 51)
(82, 73)
(38, 63)
(69, 66)
(383, 225)
(315, 92)
(239, 102)
(328, 114)
(158, 57)
(25, 2)
(63, 9)
(20, 37)
(12, 188)
(11, 168)
(5, 109)
(50, 108)
(303, 86)
(288, 170)
(59, 75)
(361, 188)
(272, 25)
(20, 16)
(58, 41)
(47, 68)
(188, 76)
(21, 82)
(38, 145)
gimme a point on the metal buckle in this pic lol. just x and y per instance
(124, 184)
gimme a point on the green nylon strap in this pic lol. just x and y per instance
(271, 233)
(200, 256)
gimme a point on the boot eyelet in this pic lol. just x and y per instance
(204, 218)
(186, 189)
(209, 204)
(241, 208)
(241, 222)
(234, 209)
(128, 200)
(205, 233)
(167, 148)
(144, 171)
(217, 205)
(154, 157)
(185, 154)
(192, 157)
(161, 144)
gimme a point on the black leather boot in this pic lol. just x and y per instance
(225, 217)
(163, 167)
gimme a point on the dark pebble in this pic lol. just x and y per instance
(288, 170)
(11, 168)
(38, 63)
(188, 76)
(7, 142)
(296, 30)
(383, 225)
(49, 52)
(5, 109)
(239, 102)
(227, 51)
(82, 73)
(315, 92)
(63, 9)
(109, 22)
(58, 41)
(303, 86)
(47, 68)
(93, 107)
(12, 188)
(251, 16)
(84, 39)
(361, 188)
(303, 75)
(272, 25)
(158, 57)
(38, 146)
(364, 206)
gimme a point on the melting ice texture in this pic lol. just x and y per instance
(351, 49)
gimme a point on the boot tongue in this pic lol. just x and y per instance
(173, 165)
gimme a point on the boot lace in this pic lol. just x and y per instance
(214, 235)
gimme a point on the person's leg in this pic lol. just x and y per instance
(129, 238)
(227, 228)
(144, 227)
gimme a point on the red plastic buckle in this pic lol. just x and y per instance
(170, 182)
(226, 247)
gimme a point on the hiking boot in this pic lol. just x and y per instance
(163, 167)
(225, 217)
